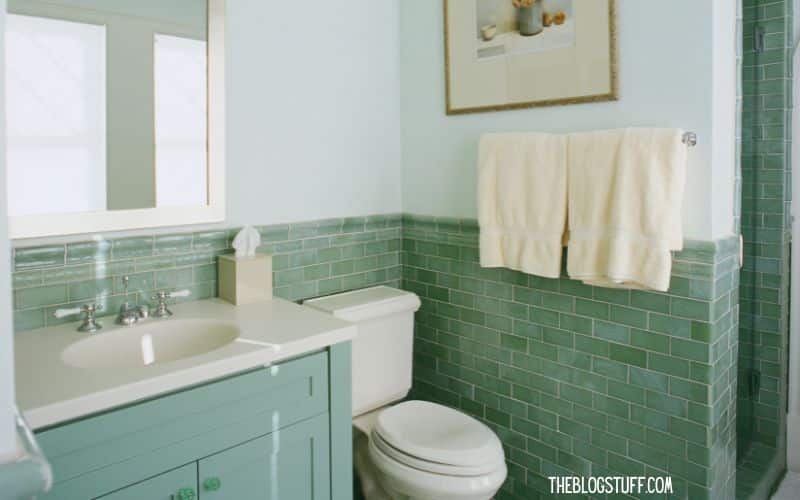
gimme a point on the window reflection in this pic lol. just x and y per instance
(180, 106)
(107, 106)
(55, 116)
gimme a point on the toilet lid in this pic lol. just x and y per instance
(435, 433)
(377, 444)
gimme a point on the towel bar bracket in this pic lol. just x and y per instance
(690, 139)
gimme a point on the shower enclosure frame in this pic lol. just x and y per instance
(793, 383)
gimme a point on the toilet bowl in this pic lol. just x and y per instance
(414, 450)
(425, 451)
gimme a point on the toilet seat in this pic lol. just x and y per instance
(434, 467)
(426, 450)
(429, 436)
(400, 480)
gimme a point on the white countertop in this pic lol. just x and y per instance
(49, 391)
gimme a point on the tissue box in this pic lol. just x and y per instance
(245, 280)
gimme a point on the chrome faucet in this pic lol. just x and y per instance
(130, 314)
(162, 308)
(89, 324)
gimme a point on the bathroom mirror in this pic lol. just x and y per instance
(115, 115)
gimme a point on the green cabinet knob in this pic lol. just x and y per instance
(186, 494)
(212, 484)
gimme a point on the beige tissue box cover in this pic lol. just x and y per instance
(245, 280)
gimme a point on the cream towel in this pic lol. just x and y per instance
(625, 199)
(522, 201)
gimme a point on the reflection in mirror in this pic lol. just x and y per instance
(56, 116)
(180, 121)
(106, 105)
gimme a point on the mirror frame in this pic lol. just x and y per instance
(37, 226)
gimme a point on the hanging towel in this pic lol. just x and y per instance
(522, 201)
(625, 199)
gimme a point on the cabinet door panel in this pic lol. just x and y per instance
(290, 464)
(167, 486)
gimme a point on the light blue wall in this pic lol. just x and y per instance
(7, 434)
(665, 80)
(313, 110)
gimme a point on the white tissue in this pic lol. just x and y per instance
(246, 242)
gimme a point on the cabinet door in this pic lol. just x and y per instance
(289, 464)
(179, 484)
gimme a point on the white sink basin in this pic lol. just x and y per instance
(150, 343)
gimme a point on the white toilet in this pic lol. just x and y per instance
(413, 450)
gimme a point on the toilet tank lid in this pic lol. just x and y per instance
(366, 304)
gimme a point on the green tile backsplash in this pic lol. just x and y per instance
(309, 259)
(577, 379)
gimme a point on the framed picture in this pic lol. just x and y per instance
(507, 54)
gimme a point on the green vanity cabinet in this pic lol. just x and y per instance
(168, 486)
(281, 432)
(290, 464)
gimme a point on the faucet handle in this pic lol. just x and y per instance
(180, 294)
(63, 313)
(89, 311)
(164, 295)
(162, 311)
(90, 324)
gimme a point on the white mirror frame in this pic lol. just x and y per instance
(36, 226)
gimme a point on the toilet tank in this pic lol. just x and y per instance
(382, 351)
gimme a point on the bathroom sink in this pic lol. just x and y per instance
(150, 343)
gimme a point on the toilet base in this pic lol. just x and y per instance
(371, 488)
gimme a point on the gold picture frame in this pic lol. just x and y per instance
(610, 92)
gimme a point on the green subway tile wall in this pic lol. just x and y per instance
(309, 259)
(766, 193)
(579, 380)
